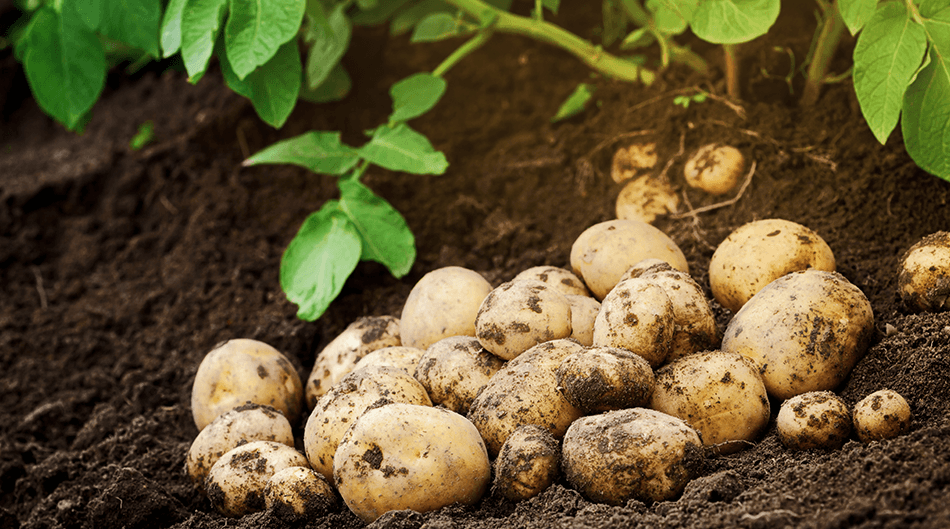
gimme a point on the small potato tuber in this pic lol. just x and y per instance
(816, 419)
(924, 279)
(715, 168)
(882, 415)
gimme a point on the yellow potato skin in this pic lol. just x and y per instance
(882, 415)
(924, 279)
(527, 463)
(816, 419)
(520, 314)
(454, 369)
(236, 483)
(636, 315)
(443, 303)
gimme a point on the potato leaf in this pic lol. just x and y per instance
(615, 21)
(321, 152)
(575, 103)
(90, 11)
(415, 95)
(385, 236)
(318, 260)
(856, 13)
(329, 39)
(733, 21)
(171, 28)
(334, 88)
(399, 148)
(552, 5)
(671, 17)
(437, 26)
(888, 53)
(133, 22)
(200, 23)
(406, 19)
(273, 87)
(257, 28)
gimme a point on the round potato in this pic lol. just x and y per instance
(630, 454)
(564, 281)
(631, 160)
(235, 484)
(715, 168)
(584, 310)
(443, 303)
(454, 369)
(645, 199)
(241, 371)
(605, 378)
(882, 415)
(757, 253)
(924, 279)
(637, 316)
(398, 356)
(403, 456)
(298, 493)
(817, 419)
(805, 331)
(721, 395)
(527, 463)
(341, 355)
(604, 251)
(521, 314)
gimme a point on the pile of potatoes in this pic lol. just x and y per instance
(612, 375)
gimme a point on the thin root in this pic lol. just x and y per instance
(693, 212)
(44, 302)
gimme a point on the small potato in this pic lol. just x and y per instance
(715, 168)
(757, 253)
(443, 303)
(630, 454)
(236, 482)
(605, 378)
(637, 316)
(924, 279)
(518, 315)
(645, 199)
(340, 356)
(251, 422)
(817, 419)
(398, 356)
(805, 331)
(564, 281)
(524, 391)
(403, 456)
(299, 493)
(882, 415)
(241, 371)
(527, 463)
(631, 160)
(584, 311)
(604, 251)
(721, 395)
(454, 369)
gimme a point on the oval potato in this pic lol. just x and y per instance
(454, 369)
(882, 415)
(518, 315)
(527, 464)
(924, 279)
(564, 281)
(605, 378)
(236, 483)
(636, 315)
(443, 303)
(816, 419)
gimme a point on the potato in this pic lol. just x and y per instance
(299, 493)
(524, 391)
(631, 160)
(721, 395)
(715, 168)
(251, 422)
(398, 356)
(454, 369)
(518, 315)
(882, 415)
(605, 378)
(443, 303)
(340, 356)
(564, 281)
(527, 463)
(645, 199)
(805, 332)
(637, 315)
(584, 311)
(630, 454)
(924, 279)
(336, 411)
(235, 484)
(816, 419)
(404, 456)
(240, 371)
(757, 253)
(604, 251)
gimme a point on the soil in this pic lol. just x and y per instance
(121, 269)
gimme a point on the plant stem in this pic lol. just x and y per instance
(470, 45)
(732, 71)
(684, 55)
(677, 53)
(832, 26)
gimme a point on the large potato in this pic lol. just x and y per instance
(236, 483)
(605, 378)
(757, 253)
(454, 369)
(603, 252)
(443, 303)
(924, 279)
(637, 316)
(518, 315)
(241, 371)
(805, 332)
(403, 456)
(564, 281)
(721, 395)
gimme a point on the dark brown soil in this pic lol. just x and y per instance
(120, 269)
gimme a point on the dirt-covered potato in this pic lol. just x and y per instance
(404, 456)
(235, 484)
(924, 279)
(636, 315)
(715, 168)
(524, 391)
(645, 199)
(605, 378)
(518, 315)
(299, 493)
(816, 419)
(604, 251)
(346, 401)
(757, 253)
(882, 415)
(340, 356)
(443, 303)
(721, 395)
(805, 332)
(399, 356)
(630, 454)
(632, 160)
(564, 281)
(251, 422)
(454, 369)
(584, 310)
(244, 371)
(527, 464)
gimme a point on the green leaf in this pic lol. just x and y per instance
(856, 13)
(328, 42)
(90, 11)
(409, 17)
(615, 22)
(381, 13)
(671, 17)
(733, 21)
(272, 88)
(415, 95)
(144, 136)
(200, 24)
(888, 53)
(321, 152)
(400, 148)
(334, 88)
(134, 22)
(171, 27)
(319, 259)
(437, 26)
(257, 28)
(638, 38)
(929, 8)
(552, 5)
(575, 103)
(64, 64)
(368, 4)
(385, 236)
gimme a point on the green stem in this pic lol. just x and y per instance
(832, 26)
(732, 71)
(538, 10)
(688, 57)
(677, 53)
(463, 51)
